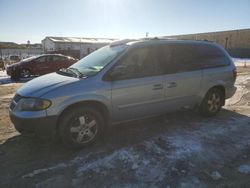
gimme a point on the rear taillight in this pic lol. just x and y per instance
(235, 73)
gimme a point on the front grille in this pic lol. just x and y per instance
(14, 101)
(17, 98)
(12, 105)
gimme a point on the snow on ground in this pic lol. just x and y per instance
(168, 155)
(4, 78)
(241, 96)
(242, 61)
(245, 168)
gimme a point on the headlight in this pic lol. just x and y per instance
(32, 104)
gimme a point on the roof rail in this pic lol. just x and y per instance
(121, 42)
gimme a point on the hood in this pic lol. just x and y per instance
(43, 84)
(14, 64)
(22, 62)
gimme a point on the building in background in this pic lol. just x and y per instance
(8, 49)
(73, 46)
(236, 42)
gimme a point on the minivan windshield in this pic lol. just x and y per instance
(96, 61)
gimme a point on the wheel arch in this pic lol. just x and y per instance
(26, 68)
(97, 105)
(221, 88)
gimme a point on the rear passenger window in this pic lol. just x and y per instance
(191, 57)
(62, 58)
(56, 58)
(212, 56)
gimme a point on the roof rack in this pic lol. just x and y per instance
(121, 42)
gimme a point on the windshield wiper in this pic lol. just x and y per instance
(76, 71)
(92, 68)
(67, 72)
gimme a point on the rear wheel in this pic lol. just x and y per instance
(80, 127)
(212, 102)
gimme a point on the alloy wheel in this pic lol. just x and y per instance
(25, 73)
(214, 102)
(83, 129)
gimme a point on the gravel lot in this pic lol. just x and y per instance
(176, 150)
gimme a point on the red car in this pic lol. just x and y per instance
(39, 65)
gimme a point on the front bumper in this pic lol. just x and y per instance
(44, 127)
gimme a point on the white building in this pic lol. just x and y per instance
(74, 46)
(22, 53)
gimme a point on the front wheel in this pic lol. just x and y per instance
(15, 75)
(25, 73)
(212, 102)
(80, 127)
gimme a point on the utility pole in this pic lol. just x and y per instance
(226, 43)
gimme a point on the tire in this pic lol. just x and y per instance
(25, 73)
(212, 102)
(81, 127)
(15, 76)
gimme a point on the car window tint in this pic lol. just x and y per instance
(62, 58)
(56, 58)
(41, 59)
(139, 62)
(50, 58)
(211, 56)
(191, 57)
(164, 52)
(183, 58)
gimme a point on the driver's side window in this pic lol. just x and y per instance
(138, 63)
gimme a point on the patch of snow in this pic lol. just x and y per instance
(241, 61)
(107, 162)
(42, 170)
(191, 182)
(245, 169)
(4, 79)
(216, 175)
(184, 145)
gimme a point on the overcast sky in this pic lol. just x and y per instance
(23, 20)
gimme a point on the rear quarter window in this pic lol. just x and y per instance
(211, 56)
(190, 57)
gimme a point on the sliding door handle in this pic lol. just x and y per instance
(171, 84)
(157, 86)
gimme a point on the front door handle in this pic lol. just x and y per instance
(157, 86)
(171, 84)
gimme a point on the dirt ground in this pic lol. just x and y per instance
(176, 150)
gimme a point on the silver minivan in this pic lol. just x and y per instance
(124, 81)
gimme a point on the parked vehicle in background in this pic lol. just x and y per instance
(13, 59)
(121, 82)
(2, 64)
(39, 65)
